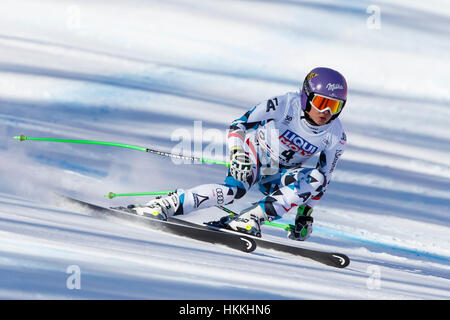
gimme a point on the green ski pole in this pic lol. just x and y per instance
(129, 146)
(286, 227)
(112, 195)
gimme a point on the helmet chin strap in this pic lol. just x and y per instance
(309, 119)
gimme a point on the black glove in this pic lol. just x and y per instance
(303, 224)
(240, 165)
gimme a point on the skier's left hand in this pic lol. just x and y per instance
(303, 228)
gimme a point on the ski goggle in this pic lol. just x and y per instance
(322, 103)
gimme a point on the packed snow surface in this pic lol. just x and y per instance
(171, 74)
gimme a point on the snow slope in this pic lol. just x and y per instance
(149, 73)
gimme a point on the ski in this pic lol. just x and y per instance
(215, 235)
(337, 260)
(175, 226)
(332, 259)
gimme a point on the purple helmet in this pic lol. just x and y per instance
(324, 82)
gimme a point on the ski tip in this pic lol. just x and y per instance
(341, 260)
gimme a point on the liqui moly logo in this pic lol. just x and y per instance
(297, 143)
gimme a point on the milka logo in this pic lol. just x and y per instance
(334, 86)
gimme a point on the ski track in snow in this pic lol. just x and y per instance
(143, 73)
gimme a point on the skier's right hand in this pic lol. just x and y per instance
(240, 164)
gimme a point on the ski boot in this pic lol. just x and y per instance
(248, 221)
(159, 208)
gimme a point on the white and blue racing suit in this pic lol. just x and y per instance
(279, 140)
